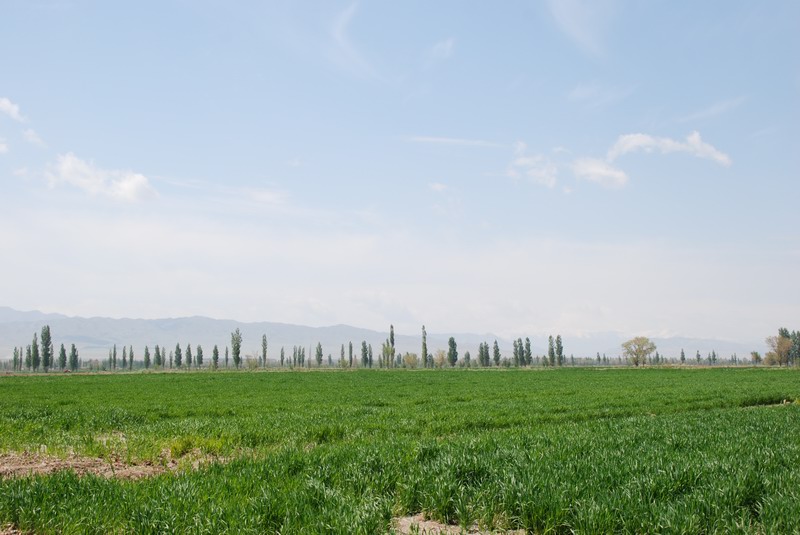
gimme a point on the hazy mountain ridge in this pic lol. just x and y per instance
(96, 335)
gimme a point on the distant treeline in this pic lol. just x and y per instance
(40, 355)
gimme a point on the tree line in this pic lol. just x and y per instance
(39, 355)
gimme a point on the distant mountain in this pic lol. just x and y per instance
(95, 336)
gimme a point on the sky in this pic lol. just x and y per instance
(517, 168)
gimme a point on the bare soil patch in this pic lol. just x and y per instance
(9, 530)
(26, 464)
(407, 525)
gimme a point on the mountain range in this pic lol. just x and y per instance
(96, 335)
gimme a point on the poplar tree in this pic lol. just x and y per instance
(559, 351)
(28, 358)
(264, 350)
(189, 356)
(236, 347)
(114, 357)
(516, 354)
(62, 358)
(146, 358)
(391, 344)
(215, 357)
(369, 355)
(318, 354)
(47, 349)
(341, 358)
(282, 356)
(364, 354)
(350, 353)
(496, 355)
(124, 357)
(130, 358)
(424, 347)
(178, 355)
(551, 350)
(226, 357)
(452, 352)
(528, 354)
(73, 358)
(198, 359)
(683, 356)
(157, 356)
(35, 356)
(16, 359)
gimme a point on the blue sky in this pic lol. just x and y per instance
(520, 168)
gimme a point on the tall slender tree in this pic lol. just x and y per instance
(364, 354)
(236, 347)
(130, 357)
(318, 354)
(62, 358)
(157, 357)
(350, 353)
(178, 355)
(282, 356)
(73, 358)
(559, 351)
(215, 357)
(29, 357)
(124, 357)
(528, 354)
(424, 347)
(47, 348)
(226, 357)
(516, 354)
(264, 350)
(35, 355)
(198, 358)
(189, 356)
(452, 352)
(114, 357)
(496, 354)
(551, 350)
(146, 358)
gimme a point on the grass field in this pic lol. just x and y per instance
(559, 451)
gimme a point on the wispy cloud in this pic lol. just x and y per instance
(115, 184)
(32, 137)
(718, 108)
(599, 171)
(584, 22)
(437, 186)
(693, 145)
(595, 95)
(345, 53)
(11, 109)
(3, 146)
(536, 167)
(434, 140)
(441, 51)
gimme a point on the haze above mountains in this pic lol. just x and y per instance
(96, 335)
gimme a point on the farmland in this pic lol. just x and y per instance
(558, 450)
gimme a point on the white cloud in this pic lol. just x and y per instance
(3, 146)
(442, 50)
(715, 109)
(693, 145)
(452, 141)
(119, 185)
(11, 109)
(345, 53)
(537, 168)
(583, 21)
(437, 186)
(599, 171)
(31, 136)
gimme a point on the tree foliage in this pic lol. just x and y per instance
(638, 349)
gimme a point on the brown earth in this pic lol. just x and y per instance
(25, 464)
(417, 524)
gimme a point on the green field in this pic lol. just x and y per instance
(558, 451)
